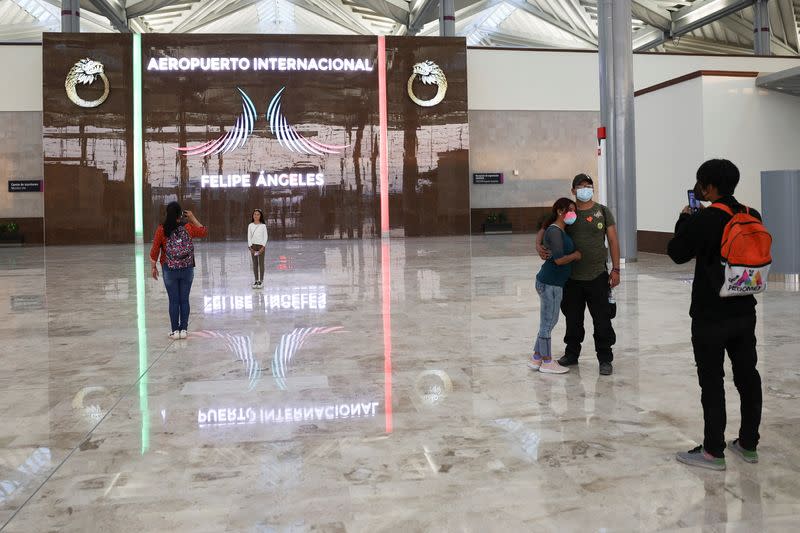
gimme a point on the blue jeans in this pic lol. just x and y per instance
(550, 298)
(178, 283)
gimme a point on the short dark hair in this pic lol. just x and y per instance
(720, 173)
(581, 178)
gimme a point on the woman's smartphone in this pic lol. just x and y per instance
(694, 204)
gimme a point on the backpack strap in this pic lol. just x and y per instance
(604, 209)
(722, 207)
(729, 210)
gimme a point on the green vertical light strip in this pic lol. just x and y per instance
(138, 221)
(138, 228)
(141, 326)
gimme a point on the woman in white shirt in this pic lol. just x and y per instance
(257, 242)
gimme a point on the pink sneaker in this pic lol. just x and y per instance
(535, 362)
(552, 367)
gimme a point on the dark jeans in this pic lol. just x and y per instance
(178, 283)
(710, 340)
(258, 262)
(594, 294)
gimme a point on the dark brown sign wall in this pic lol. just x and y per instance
(88, 175)
(333, 108)
(428, 146)
(331, 119)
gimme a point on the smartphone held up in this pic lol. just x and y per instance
(694, 203)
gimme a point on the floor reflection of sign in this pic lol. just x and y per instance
(24, 186)
(311, 298)
(487, 178)
(225, 416)
(27, 303)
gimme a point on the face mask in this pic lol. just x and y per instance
(584, 194)
(570, 218)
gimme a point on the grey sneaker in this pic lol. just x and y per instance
(699, 457)
(749, 456)
(606, 369)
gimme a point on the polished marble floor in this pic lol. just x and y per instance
(367, 387)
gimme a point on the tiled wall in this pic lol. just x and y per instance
(547, 148)
(20, 159)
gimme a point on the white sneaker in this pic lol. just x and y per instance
(184, 334)
(255, 284)
(175, 334)
(552, 367)
(260, 285)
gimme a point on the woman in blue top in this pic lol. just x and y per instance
(550, 282)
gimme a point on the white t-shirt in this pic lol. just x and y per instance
(256, 234)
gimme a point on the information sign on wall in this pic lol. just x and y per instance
(24, 186)
(490, 178)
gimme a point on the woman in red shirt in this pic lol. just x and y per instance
(173, 244)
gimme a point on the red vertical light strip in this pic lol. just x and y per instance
(386, 254)
(383, 146)
(386, 296)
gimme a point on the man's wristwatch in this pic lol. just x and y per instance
(617, 270)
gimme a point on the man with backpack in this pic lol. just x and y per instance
(731, 249)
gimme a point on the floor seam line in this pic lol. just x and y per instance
(86, 437)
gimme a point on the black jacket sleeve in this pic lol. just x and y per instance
(683, 246)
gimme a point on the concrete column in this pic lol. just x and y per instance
(70, 16)
(616, 112)
(761, 30)
(607, 98)
(447, 18)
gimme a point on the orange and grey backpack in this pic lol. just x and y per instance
(745, 253)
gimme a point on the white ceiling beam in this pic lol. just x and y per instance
(482, 9)
(517, 40)
(788, 18)
(424, 14)
(348, 23)
(647, 38)
(145, 7)
(396, 10)
(702, 46)
(744, 30)
(642, 9)
(345, 14)
(796, 26)
(702, 12)
(208, 12)
(539, 13)
(113, 12)
(53, 12)
(580, 14)
(20, 32)
(697, 15)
